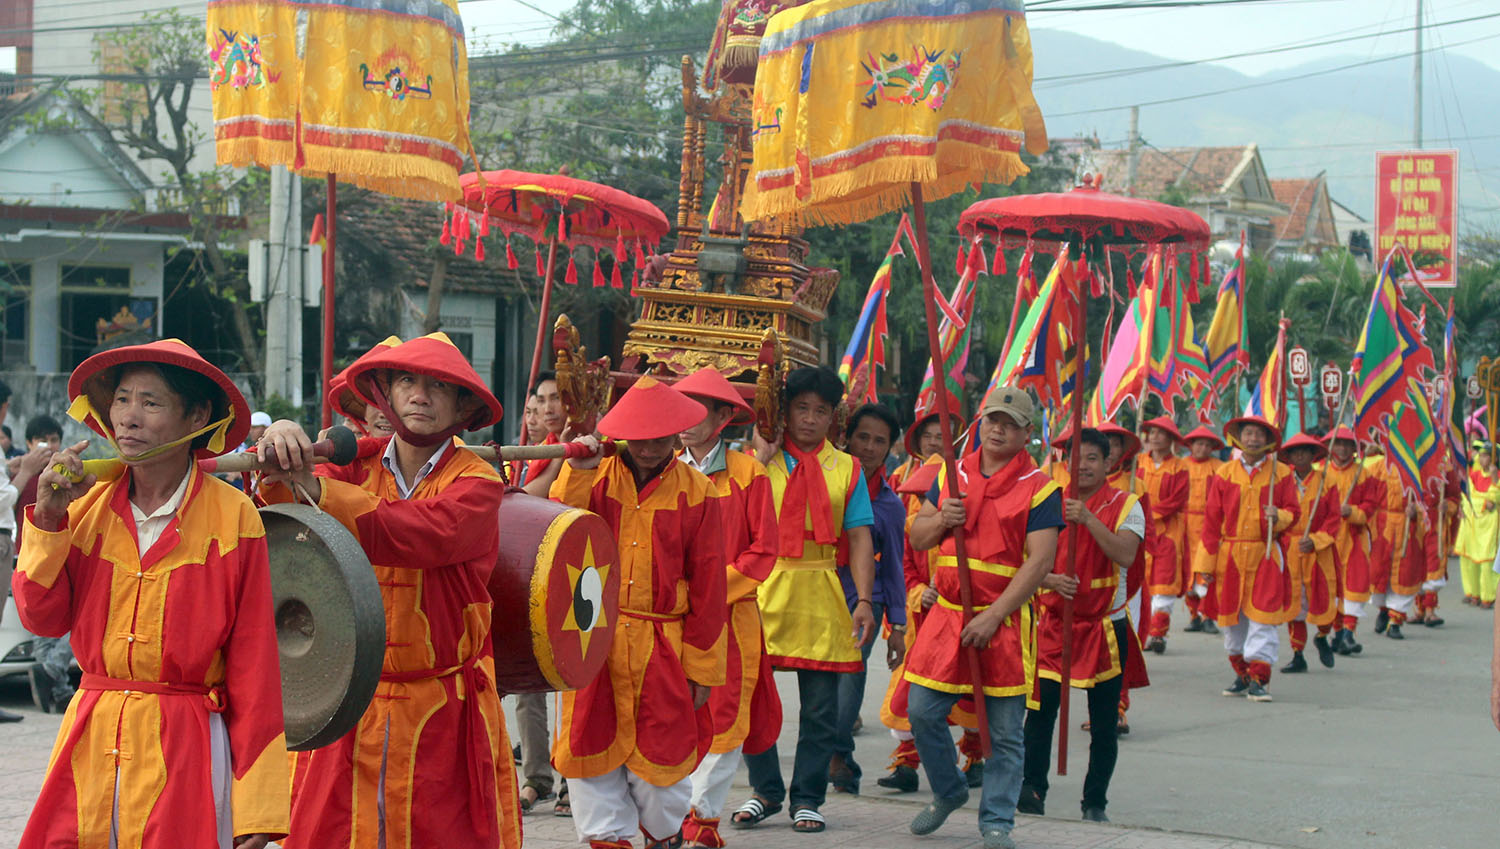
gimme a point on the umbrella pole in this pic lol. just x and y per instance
(330, 217)
(1081, 327)
(541, 328)
(940, 389)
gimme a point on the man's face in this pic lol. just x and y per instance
(651, 454)
(425, 404)
(807, 419)
(146, 413)
(702, 434)
(376, 422)
(1485, 459)
(1202, 448)
(1253, 441)
(930, 440)
(1116, 451)
(252, 436)
(1001, 437)
(871, 443)
(1342, 451)
(549, 401)
(1301, 458)
(532, 416)
(53, 441)
(1158, 440)
(1092, 466)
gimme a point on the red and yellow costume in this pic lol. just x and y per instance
(996, 545)
(1199, 563)
(178, 649)
(421, 768)
(638, 712)
(1096, 651)
(1165, 484)
(1234, 535)
(1315, 575)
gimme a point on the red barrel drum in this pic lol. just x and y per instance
(556, 592)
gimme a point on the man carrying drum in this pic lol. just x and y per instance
(421, 769)
(629, 740)
(746, 710)
(160, 572)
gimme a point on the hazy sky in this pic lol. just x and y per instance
(1180, 33)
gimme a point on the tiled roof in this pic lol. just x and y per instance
(1198, 170)
(405, 233)
(1299, 195)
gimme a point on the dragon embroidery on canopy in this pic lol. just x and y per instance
(238, 62)
(927, 78)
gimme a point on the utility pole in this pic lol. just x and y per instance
(284, 288)
(1133, 158)
(1416, 82)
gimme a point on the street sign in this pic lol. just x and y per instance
(1473, 388)
(1298, 366)
(1331, 381)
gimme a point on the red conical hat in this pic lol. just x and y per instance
(1202, 432)
(1232, 431)
(1165, 424)
(1132, 442)
(433, 355)
(341, 396)
(922, 478)
(1341, 432)
(711, 383)
(92, 385)
(1302, 440)
(651, 410)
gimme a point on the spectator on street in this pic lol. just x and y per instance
(8, 496)
(51, 689)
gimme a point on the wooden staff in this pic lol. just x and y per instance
(940, 393)
(1322, 481)
(1080, 328)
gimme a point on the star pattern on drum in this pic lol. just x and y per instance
(587, 610)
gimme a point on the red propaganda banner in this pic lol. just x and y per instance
(1416, 205)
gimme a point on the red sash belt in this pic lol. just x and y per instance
(650, 616)
(213, 697)
(481, 761)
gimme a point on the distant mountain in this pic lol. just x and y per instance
(1331, 122)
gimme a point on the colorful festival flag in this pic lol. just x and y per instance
(1457, 450)
(1040, 342)
(866, 351)
(1389, 354)
(954, 343)
(1224, 344)
(1269, 398)
(1128, 361)
(1177, 358)
(1413, 440)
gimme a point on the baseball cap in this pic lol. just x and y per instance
(260, 419)
(1014, 402)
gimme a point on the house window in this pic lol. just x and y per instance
(15, 297)
(98, 311)
(464, 342)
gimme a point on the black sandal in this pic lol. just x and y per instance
(757, 809)
(562, 808)
(807, 820)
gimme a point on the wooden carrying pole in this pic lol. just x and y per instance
(950, 463)
(330, 226)
(1081, 331)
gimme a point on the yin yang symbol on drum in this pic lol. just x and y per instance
(587, 610)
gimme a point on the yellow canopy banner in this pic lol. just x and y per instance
(376, 91)
(856, 99)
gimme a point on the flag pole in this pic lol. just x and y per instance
(541, 324)
(950, 463)
(1080, 334)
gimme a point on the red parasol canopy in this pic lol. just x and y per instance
(1083, 214)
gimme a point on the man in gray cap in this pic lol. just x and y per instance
(1010, 512)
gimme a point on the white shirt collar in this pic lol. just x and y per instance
(715, 456)
(389, 461)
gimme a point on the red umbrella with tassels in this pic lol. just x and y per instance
(556, 210)
(1093, 222)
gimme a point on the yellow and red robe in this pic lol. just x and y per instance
(1234, 535)
(638, 713)
(166, 640)
(1166, 486)
(1362, 493)
(1199, 472)
(1398, 564)
(802, 605)
(429, 750)
(746, 710)
(1097, 656)
(1315, 574)
(998, 511)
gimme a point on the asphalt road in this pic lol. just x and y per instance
(1393, 748)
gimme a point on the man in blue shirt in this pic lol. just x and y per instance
(871, 432)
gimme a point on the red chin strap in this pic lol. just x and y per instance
(383, 404)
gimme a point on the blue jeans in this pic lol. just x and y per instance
(851, 696)
(818, 692)
(928, 710)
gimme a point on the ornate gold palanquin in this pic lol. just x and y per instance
(725, 283)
